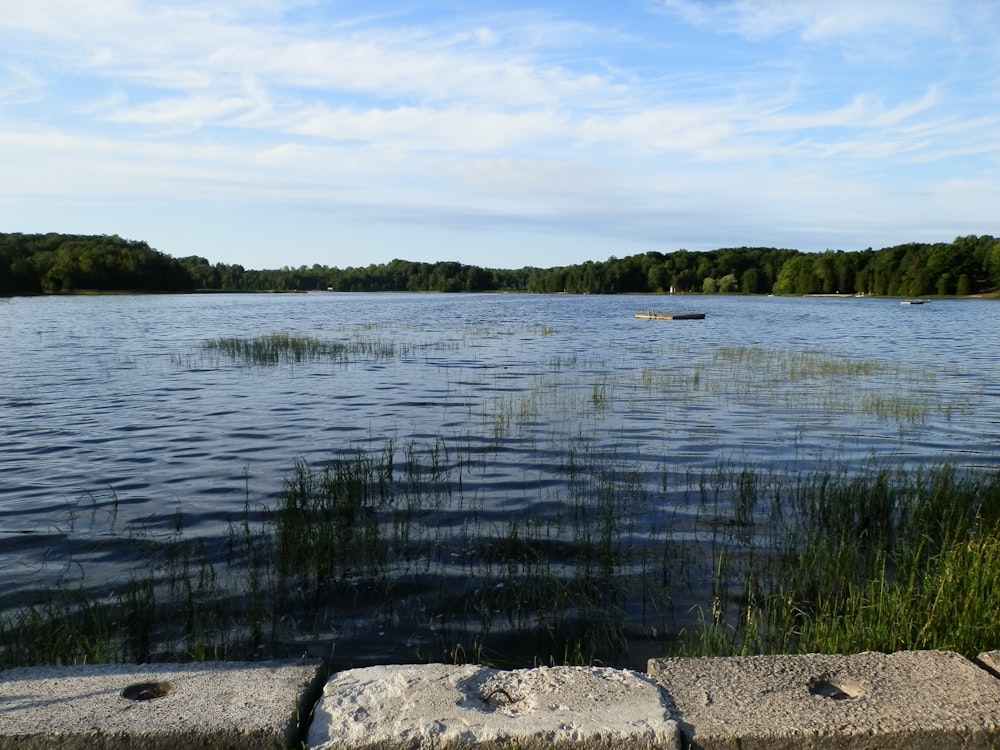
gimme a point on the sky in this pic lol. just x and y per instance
(503, 134)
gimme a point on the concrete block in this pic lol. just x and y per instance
(149, 707)
(990, 661)
(912, 699)
(444, 707)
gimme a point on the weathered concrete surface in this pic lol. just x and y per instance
(210, 705)
(990, 660)
(444, 707)
(910, 699)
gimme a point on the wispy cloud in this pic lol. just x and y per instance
(822, 20)
(696, 123)
(18, 85)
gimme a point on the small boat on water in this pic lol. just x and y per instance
(914, 301)
(669, 316)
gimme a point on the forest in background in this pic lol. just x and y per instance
(61, 263)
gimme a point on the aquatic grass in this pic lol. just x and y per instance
(834, 559)
(343, 539)
(898, 407)
(883, 559)
(599, 395)
(68, 626)
(797, 365)
(179, 602)
(328, 524)
(811, 381)
(407, 545)
(946, 601)
(604, 549)
(558, 362)
(287, 348)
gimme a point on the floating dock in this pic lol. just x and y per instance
(670, 316)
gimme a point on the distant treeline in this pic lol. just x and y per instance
(56, 263)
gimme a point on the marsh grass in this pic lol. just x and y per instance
(815, 385)
(796, 365)
(812, 381)
(348, 542)
(884, 560)
(285, 348)
(604, 558)
(388, 541)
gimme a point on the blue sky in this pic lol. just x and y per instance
(503, 134)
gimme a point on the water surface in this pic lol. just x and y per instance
(114, 415)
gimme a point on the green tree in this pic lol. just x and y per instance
(727, 284)
(795, 276)
(750, 281)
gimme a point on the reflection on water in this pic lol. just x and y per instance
(119, 423)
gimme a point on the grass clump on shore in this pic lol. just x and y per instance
(886, 560)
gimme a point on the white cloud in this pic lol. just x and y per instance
(821, 19)
(864, 112)
(530, 119)
(18, 84)
(189, 112)
(204, 47)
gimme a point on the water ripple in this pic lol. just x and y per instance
(115, 397)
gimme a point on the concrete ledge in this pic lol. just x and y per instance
(443, 707)
(168, 706)
(990, 661)
(925, 699)
(920, 700)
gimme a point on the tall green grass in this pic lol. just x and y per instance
(884, 560)
(285, 348)
(388, 542)
(370, 541)
(282, 348)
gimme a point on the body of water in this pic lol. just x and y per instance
(115, 415)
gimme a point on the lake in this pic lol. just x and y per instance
(120, 421)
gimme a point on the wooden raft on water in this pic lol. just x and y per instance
(670, 316)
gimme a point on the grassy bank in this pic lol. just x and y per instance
(883, 561)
